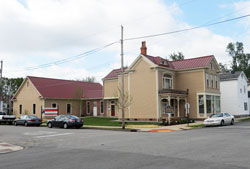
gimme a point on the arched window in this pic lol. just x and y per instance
(167, 81)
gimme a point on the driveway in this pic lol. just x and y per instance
(213, 147)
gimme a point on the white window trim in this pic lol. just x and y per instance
(70, 108)
(171, 80)
(207, 80)
(216, 81)
(205, 108)
(212, 80)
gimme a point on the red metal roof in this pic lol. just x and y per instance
(192, 63)
(176, 65)
(182, 64)
(114, 73)
(67, 89)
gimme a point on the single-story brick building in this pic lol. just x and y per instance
(70, 97)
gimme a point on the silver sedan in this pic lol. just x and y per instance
(28, 120)
(219, 119)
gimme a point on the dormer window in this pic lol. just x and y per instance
(163, 62)
(167, 81)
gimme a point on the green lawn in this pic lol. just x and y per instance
(246, 119)
(196, 125)
(105, 121)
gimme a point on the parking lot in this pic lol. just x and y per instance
(56, 148)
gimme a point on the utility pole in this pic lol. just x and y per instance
(122, 69)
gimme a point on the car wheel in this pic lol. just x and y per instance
(222, 123)
(25, 124)
(49, 125)
(14, 123)
(77, 127)
(232, 122)
(65, 125)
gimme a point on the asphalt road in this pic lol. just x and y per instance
(226, 147)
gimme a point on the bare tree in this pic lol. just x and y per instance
(127, 101)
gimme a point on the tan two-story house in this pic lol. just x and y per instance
(155, 86)
(68, 96)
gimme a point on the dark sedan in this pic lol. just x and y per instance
(28, 120)
(65, 121)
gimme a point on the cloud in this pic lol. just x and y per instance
(243, 8)
(43, 31)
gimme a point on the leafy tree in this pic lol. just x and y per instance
(223, 67)
(176, 56)
(88, 79)
(9, 88)
(241, 60)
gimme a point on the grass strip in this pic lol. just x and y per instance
(246, 119)
(196, 125)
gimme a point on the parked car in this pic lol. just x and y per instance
(65, 121)
(28, 120)
(4, 118)
(219, 119)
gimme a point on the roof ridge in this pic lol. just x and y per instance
(192, 58)
(61, 79)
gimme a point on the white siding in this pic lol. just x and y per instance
(229, 96)
(233, 96)
(243, 96)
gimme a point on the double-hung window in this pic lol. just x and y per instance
(167, 81)
(207, 79)
(212, 81)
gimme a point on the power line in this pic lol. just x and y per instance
(81, 55)
(188, 29)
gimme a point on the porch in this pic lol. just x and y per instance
(172, 102)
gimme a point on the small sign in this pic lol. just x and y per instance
(169, 109)
(50, 111)
(187, 107)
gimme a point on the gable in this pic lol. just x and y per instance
(214, 65)
(27, 90)
(139, 59)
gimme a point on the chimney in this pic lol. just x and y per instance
(143, 48)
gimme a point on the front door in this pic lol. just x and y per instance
(95, 109)
(112, 110)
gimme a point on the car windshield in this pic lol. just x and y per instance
(72, 117)
(216, 115)
(32, 117)
(2, 113)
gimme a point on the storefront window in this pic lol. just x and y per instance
(201, 104)
(217, 100)
(209, 104)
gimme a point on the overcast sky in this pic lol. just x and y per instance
(37, 32)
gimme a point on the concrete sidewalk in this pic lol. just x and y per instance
(150, 128)
(169, 128)
(156, 128)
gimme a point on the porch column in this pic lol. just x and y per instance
(178, 106)
(169, 100)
